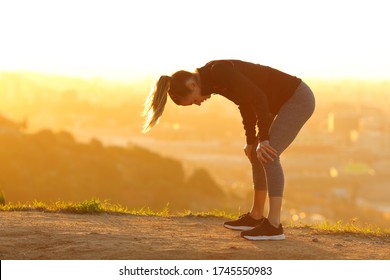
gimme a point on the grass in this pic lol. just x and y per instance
(350, 227)
(95, 206)
(2, 198)
(341, 227)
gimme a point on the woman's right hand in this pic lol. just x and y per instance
(248, 151)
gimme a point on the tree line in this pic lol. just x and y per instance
(49, 166)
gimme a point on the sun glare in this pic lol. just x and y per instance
(125, 39)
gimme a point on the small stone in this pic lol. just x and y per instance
(338, 245)
(315, 240)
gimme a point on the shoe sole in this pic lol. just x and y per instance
(273, 237)
(242, 228)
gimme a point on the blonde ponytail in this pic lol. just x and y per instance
(155, 103)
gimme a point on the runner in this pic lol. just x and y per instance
(277, 103)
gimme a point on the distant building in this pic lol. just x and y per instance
(343, 122)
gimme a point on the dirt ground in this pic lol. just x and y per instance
(38, 235)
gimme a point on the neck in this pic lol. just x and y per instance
(197, 79)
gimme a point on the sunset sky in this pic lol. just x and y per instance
(129, 39)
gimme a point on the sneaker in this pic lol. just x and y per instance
(244, 222)
(265, 231)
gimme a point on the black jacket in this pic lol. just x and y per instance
(259, 91)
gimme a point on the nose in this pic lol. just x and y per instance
(197, 102)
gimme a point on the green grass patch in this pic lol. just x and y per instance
(2, 198)
(351, 227)
(95, 206)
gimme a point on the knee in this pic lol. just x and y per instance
(271, 163)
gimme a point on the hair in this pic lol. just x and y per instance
(155, 102)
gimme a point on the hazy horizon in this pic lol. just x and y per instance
(340, 158)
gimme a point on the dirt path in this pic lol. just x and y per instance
(37, 235)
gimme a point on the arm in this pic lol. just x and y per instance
(250, 97)
(249, 121)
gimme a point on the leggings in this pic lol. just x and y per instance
(285, 127)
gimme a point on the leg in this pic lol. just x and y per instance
(275, 207)
(260, 187)
(275, 178)
(290, 119)
(256, 216)
(286, 126)
(258, 204)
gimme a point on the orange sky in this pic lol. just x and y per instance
(128, 39)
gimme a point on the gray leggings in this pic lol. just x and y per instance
(285, 127)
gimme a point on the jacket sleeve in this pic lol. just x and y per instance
(249, 121)
(250, 97)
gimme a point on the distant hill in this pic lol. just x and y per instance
(9, 127)
(49, 166)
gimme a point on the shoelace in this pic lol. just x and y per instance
(243, 215)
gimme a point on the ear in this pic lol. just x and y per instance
(191, 83)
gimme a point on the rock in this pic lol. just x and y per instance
(315, 240)
(338, 245)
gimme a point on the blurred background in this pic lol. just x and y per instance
(74, 76)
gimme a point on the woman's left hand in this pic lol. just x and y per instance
(265, 152)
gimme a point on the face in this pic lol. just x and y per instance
(195, 96)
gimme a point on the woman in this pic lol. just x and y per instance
(276, 103)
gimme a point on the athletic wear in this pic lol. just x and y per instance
(259, 90)
(265, 231)
(291, 117)
(245, 222)
(278, 103)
